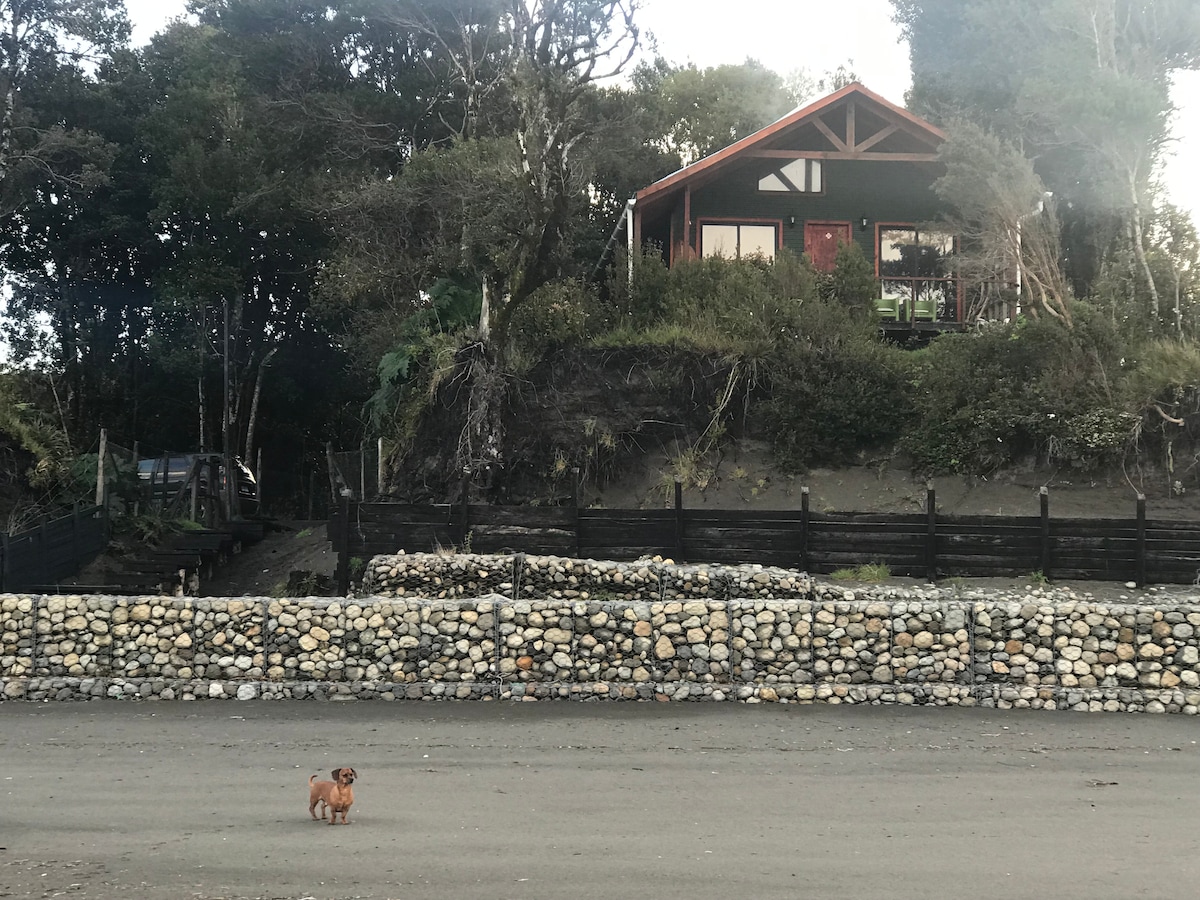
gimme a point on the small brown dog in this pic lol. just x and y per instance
(336, 796)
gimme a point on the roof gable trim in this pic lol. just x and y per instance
(845, 146)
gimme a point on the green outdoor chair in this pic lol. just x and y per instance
(887, 308)
(925, 309)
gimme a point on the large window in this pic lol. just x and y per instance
(914, 273)
(736, 241)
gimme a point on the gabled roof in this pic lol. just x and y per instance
(896, 120)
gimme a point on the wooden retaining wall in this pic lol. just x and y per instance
(54, 549)
(922, 545)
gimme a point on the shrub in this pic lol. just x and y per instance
(553, 315)
(988, 399)
(852, 281)
(835, 390)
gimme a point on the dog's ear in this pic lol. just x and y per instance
(335, 773)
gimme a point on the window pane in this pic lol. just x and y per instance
(719, 240)
(897, 252)
(791, 177)
(758, 240)
(942, 241)
(815, 171)
(934, 248)
(896, 290)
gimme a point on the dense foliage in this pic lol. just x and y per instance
(290, 224)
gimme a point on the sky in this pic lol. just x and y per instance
(786, 35)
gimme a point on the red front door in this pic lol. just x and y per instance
(821, 241)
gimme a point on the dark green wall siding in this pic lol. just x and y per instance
(881, 191)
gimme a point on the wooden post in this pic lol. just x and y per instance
(1141, 540)
(43, 566)
(1044, 499)
(150, 504)
(678, 520)
(930, 532)
(464, 497)
(75, 554)
(343, 545)
(333, 477)
(362, 471)
(194, 510)
(100, 492)
(804, 529)
(575, 506)
(380, 474)
(136, 474)
(258, 477)
(5, 564)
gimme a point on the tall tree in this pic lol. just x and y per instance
(703, 110)
(40, 42)
(1080, 85)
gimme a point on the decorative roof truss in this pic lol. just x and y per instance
(845, 134)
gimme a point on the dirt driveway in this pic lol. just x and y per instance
(588, 801)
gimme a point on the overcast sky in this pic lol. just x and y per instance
(786, 35)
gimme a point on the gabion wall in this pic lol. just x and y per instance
(517, 627)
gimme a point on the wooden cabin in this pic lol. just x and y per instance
(849, 167)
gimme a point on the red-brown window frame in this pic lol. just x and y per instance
(958, 284)
(739, 220)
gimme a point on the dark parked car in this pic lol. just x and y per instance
(165, 475)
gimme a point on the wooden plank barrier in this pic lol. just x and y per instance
(925, 545)
(52, 550)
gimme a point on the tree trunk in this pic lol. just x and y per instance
(201, 346)
(485, 312)
(248, 454)
(1137, 238)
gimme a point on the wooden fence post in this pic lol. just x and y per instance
(930, 532)
(575, 506)
(464, 497)
(804, 529)
(43, 565)
(380, 474)
(1141, 540)
(75, 554)
(1044, 499)
(101, 492)
(5, 564)
(137, 503)
(343, 545)
(678, 520)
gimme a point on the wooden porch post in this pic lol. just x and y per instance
(688, 249)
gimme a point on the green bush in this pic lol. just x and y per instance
(852, 281)
(835, 390)
(553, 315)
(1011, 392)
(738, 304)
